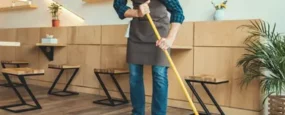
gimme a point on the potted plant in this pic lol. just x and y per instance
(220, 10)
(55, 10)
(265, 61)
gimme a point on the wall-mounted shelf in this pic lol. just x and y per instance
(22, 7)
(48, 49)
(181, 47)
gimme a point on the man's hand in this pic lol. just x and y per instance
(164, 43)
(144, 9)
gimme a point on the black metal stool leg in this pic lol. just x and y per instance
(213, 99)
(70, 80)
(199, 99)
(14, 88)
(106, 92)
(55, 82)
(125, 100)
(23, 81)
(8, 107)
(18, 65)
(64, 92)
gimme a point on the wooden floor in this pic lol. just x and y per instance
(73, 105)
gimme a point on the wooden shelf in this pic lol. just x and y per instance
(53, 45)
(15, 44)
(22, 7)
(182, 47)
(48, 49)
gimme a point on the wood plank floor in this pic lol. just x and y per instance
(73, 105)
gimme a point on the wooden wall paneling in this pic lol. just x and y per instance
(29, 53)
(28, 36)
(250, 95)
(115, 57)
(114, 34)
(93, 54)
(7, 53)
(60, 57)
(8, 35)
(183, 61)
(185, 35)
(77, 56)
(220, 33)
(85, 35)
(219, 63)
(61, 33)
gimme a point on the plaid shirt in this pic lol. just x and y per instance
(173, 6)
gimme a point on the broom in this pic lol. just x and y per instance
(173, 66)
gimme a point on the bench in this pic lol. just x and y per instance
(111, 72)
(21, 73)
(203, 80)
(62, 68)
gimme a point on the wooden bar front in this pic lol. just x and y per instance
(210, 48)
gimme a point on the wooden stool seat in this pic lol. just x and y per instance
(63, 66)
(14, 62)
(111, 71)
(23, 71)
(207, 79)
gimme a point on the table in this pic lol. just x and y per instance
(15, 63)
(112, 72)
(63, 67)
(203, 80)
(21, 73)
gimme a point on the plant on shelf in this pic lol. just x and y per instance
(219, 13)
(265, 60)
(55, 10)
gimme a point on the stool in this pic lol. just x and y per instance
(206, 79)
(21, 73)
(14, 63)
(110, 101)
(63, 67)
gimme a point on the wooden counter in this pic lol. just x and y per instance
(212, 48)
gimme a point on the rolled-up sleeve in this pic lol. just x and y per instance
(121, 7)
(175, 9)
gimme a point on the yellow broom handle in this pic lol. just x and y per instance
(173, 66)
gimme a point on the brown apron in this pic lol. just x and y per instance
(141, 47)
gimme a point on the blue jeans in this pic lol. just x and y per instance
(160, 90)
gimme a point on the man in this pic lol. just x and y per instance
(142, 48)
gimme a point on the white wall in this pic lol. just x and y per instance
(103, 13)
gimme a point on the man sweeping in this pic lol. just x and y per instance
(144, 49)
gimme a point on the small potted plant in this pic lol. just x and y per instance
(220, 10)
(55, 10)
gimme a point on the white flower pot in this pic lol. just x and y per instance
(219, 14)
